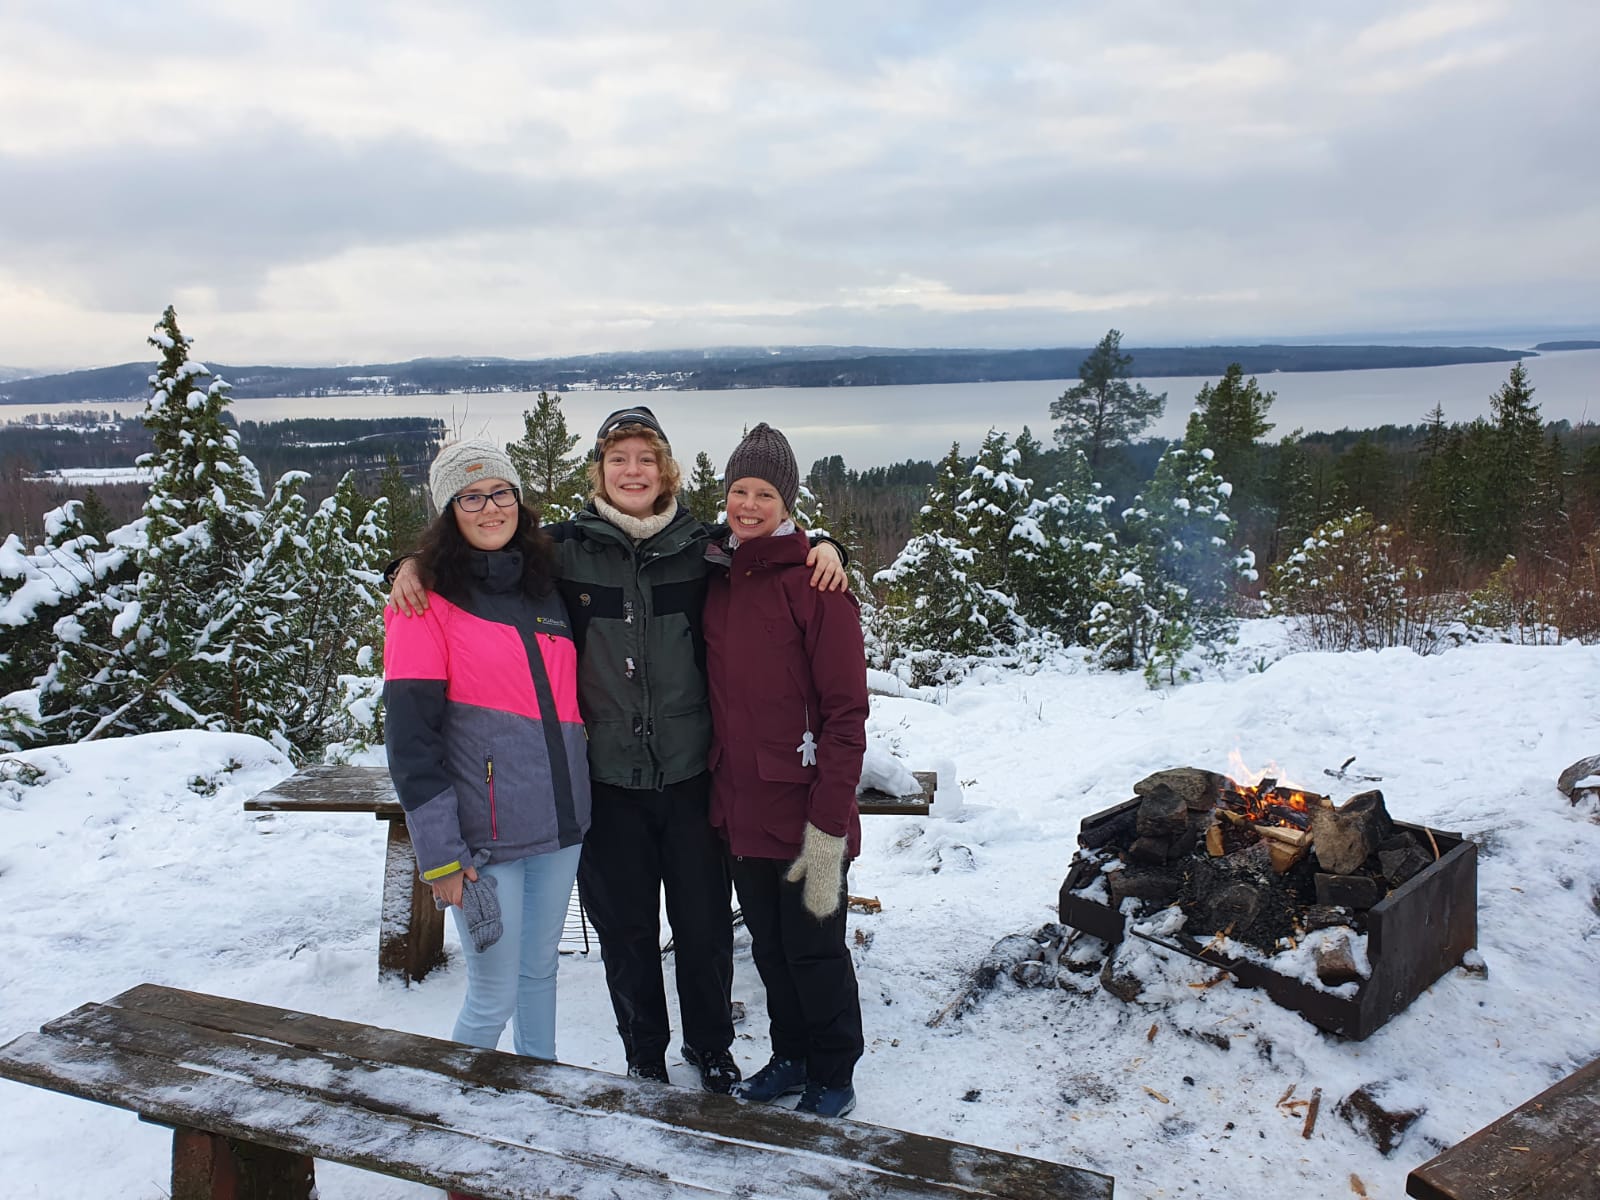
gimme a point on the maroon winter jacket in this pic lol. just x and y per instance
(782, 657)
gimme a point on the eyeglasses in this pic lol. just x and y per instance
(475, 501)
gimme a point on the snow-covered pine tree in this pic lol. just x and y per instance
(336, 629)
(936, 604)
(157, 656)
(1171, 587)
(554, 479)
(1061, 541)
(988, 509)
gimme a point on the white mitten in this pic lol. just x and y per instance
(821, 867)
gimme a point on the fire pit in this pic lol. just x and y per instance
(1255, 870)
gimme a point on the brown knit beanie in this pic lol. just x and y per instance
(765, 454)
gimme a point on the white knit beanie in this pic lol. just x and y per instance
(464, 463)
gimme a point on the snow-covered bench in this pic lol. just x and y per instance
(1550, 1146)
(411, 929)
(255, 1094)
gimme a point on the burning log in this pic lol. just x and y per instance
(1345, 837)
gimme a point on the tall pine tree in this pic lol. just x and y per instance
(554, 479)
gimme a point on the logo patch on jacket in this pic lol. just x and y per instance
(584, 599)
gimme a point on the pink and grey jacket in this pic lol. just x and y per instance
(486, 746)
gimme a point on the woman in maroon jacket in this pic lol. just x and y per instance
(789, 708)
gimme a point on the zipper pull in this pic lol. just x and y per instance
(488, 770)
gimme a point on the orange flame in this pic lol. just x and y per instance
(1258, 803)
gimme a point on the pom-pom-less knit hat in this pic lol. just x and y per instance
(765, 454)
(637, 415)
(465, 463)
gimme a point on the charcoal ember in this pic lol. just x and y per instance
(1343, 838)
(1400, 865)
(1119, 829)
(1325, 916)
(1163, 814)
(1384, 1124)
(1357, 892)
(1155, 887)
(1336, 962)
(1199, 789)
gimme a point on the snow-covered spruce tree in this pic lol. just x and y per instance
(554, 479)
(1170, 589)
(936, 604)
(1061, 540)
(156, 656)
(311, 615)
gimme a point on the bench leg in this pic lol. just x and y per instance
(411, 932)
(206, 1166)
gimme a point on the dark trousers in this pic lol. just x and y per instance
(812, 1001)
(639, 841)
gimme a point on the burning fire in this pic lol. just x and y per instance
(1265, 799)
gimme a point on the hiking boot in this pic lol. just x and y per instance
(780, 1077)
(718, 1071)
(652, 1069)
(827, 1101)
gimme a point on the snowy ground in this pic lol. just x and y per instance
(132, 861)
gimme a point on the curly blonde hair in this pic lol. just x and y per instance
(671, 473)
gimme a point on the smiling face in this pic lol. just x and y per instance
(491, 527)
(754, 508)
(631, 473)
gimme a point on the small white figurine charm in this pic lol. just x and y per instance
(808, 750)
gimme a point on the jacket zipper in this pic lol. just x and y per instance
(488, 773)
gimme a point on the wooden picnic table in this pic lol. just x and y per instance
(410, 928)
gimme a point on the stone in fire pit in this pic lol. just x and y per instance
(1255, 870)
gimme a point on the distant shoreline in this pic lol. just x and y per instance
(1580, 344)
(726, 370)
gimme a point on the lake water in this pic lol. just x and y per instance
(873, 426)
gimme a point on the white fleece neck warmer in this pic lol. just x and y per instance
(638, 528)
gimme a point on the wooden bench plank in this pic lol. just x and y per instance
(541, 1120)
(303, 1124)
(896, 1153)
(1550, 1146)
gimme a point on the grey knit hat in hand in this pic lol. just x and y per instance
(480, 905)
(462, 464)
(765, 454)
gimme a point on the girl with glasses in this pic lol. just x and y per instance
(486, 746)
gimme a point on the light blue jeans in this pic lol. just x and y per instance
(515, 979)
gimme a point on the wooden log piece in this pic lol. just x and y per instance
(411, 930)
(206, 1166)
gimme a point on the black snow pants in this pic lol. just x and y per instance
(639, 841)
(812, 1000)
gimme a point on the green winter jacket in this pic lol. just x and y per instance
(636, 617)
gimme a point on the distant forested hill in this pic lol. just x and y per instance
(791, 366)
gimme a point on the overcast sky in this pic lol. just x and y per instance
(311, 181)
